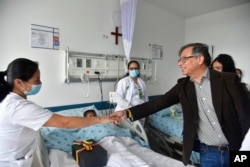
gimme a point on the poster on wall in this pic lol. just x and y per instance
(44, 37)
(157, 51)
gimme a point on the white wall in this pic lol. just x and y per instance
(155, 26)
(82, 24)
(228, 30)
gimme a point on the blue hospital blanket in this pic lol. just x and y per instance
(62, 139)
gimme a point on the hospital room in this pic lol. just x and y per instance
(84, 48)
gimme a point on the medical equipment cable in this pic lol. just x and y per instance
(87, 95)
(100, 85)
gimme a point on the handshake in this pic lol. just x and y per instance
(115, 118)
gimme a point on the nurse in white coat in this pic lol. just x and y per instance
(20, 119)
(131, 89)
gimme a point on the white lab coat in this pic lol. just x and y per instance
(125, 93)
(20, 119)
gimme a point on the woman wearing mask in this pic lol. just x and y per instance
(131, 89)
(224, 63)
(20, 119)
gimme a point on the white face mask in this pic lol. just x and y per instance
(34, 89)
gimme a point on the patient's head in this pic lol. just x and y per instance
(89, 113)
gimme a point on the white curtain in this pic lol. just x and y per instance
(128, 13)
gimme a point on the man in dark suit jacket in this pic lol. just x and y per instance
(216, 109)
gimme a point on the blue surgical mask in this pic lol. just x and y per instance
(134, 73)
(34, 89)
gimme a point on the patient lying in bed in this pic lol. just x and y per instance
(124, 148)
(61, 139)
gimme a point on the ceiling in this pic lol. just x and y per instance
(191, 8)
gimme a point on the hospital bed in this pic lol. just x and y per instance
(126, 145)
(164, 130)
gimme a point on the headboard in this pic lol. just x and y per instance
(106, 107)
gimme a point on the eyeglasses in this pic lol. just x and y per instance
(184, 59)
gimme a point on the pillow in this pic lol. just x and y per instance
(176, 108)
(79, 111)
(164, 112)
(62, 139)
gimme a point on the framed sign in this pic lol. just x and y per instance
(157, 51)
(44, 37)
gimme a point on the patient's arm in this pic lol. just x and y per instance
(78, 122)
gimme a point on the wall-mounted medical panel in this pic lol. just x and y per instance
(87, 67)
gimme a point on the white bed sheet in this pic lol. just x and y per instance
(122, 152)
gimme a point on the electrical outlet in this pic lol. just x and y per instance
(79, 63)
(88, 63)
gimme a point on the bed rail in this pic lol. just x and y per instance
(137, 128)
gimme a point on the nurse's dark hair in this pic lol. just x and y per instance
(198, 49)
(20, 68)
(133, 61)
